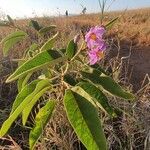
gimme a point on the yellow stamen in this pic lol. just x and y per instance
(100, 54)
(93, 36)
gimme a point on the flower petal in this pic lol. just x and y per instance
(95, 43)
(93, 57)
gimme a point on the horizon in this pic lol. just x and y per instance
(28, 9)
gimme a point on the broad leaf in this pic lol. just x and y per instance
(35, 25)
(47, 29)
(12, 39)
(25, 92)
(110, 24)
(19, 106)
(11, 22)
(84, 118)
(41, 120)
(107, 83)
(23, 81)
(69, 79)
(71, 49)
(27, 109)
(39, 61)
(99, 68)
(49, 44)
(97, 95)
(91, 74)
(30, 91)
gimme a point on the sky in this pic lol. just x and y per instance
(31, 8)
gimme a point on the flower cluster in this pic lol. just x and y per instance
(96, 44)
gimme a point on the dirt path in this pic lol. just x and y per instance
(140, 60)
(139, 63)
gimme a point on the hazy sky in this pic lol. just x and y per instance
(28, 8)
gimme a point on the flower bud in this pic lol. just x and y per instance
(77, 38)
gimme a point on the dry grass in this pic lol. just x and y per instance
(130, 36)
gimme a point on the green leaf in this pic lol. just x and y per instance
(22, 81)
(12, 39)
(20, 105)
(47, 72)
(26, 79)
(35, 25)
(107, 83)
(25, 92)
(41, 120)
(70, 79)
(39, 61)
(44, 30)
(71, 49)
(97, 95)
(91, 74)
(110, 24)
(30, 91)
(11, 21)
(27, 109)
(84, 118)
(63, 50)
(98, 67)
(49, 44)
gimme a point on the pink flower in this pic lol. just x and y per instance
(94, 37)
(95, 56)
(96, 44)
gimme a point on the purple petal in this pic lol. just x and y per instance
(98, 44)
(103, 48)
(88, 34)
(100, 31)
(93, 57)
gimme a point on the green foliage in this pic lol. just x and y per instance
(35, 25)
(97, 96)
(44, 30)
(83, 116)
(27, 109)
(22, 81)
(12, 39)
(50, 43)
(31, 51)
(41, 120)
(22, 102)
(71, 49)
(69, 79)
(11, 21)
(110, 24)
(41, 60)
(24, 93)
(107, 83)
